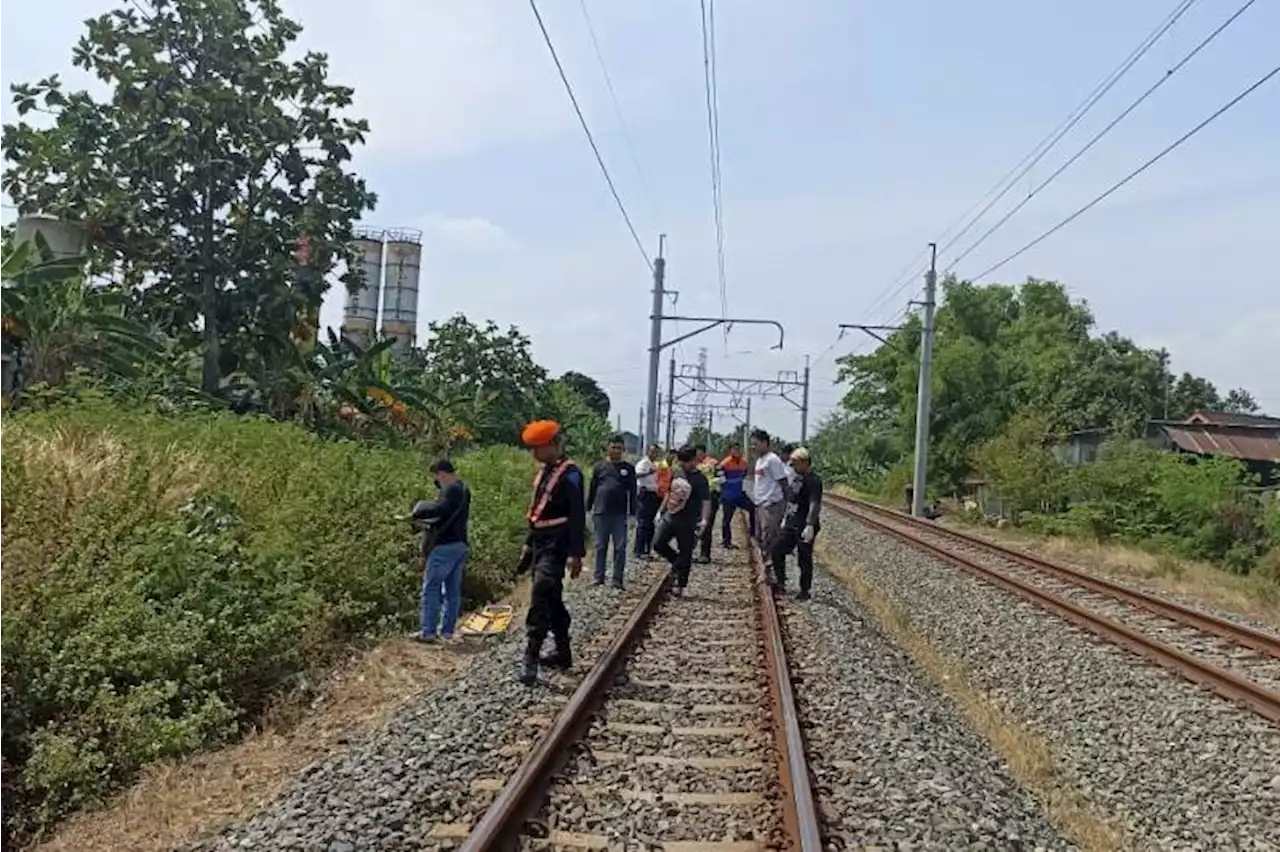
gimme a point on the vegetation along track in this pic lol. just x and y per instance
(1235, 660)
(684, 735)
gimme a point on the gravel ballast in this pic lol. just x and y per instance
(419, 782)
(894, 764)
(1178, 766)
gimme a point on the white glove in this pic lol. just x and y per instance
(807, 534)
(700, 528)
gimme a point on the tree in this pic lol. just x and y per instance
(1239, 401)
(472, 359)
(1001, 351)
(212, 156)
(589, 389)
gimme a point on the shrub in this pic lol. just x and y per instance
(165, 578)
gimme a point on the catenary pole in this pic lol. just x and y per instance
(920, 475)
(655, 342)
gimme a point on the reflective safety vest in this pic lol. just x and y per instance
(542, 495)
(664, 477)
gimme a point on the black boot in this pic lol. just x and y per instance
(529, 668)
(561, 658)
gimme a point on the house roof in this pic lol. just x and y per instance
(1247, 443)
(1227, 418)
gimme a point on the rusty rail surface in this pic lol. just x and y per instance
(1240, 634)
(1261, 700)
(521, 796)
(799, 812)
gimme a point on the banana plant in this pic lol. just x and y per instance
(59, 321)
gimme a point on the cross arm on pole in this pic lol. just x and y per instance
(713, 322)
(873, 330)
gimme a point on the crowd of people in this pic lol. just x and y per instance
(674, 497)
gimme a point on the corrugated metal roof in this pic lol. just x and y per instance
(1226, 418)
(1249, 443)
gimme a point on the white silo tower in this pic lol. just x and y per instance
(360, 316)
(400, 297)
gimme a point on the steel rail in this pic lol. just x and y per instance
(1254, 696)
(799, 812)
(1241, 634)
(522, 795)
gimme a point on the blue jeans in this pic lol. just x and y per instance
(442, 578)
(611, 528)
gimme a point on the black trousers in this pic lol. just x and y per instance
(646, 513)
(681, 556)
(547, 612)
(789, 540)
(744, 503)
(705, 542)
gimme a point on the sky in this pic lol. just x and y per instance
(851, 135)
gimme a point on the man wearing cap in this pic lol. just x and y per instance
(557, 522)
(800, 525)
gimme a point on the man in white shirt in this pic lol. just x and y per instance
(648, 499)
(784, 454)
(772, 485)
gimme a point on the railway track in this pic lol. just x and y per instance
(684, 736)
(1238, 662)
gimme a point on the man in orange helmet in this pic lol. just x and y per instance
(557, 523)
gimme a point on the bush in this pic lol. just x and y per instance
(165, 578)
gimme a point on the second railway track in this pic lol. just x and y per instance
(1237, 661)
(684, 736)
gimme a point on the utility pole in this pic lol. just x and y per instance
(655, 342)
(644, 446)
(804, 406)
(746, 426)
(671, 409)
(920, 475)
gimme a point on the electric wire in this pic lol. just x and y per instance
(1029, 161)
(568, 87)
(1101, 133)
(1133, 174)
(617, 109)
(711, 88)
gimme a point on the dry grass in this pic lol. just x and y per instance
(180, 802)
(86, 462)
(1028, 755)
(1201, 583)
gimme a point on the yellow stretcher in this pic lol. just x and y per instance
(490, 621)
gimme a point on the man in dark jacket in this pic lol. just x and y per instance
(685, 512)
(447, 516)
(612, 500)
(557, 525)
(800, 524)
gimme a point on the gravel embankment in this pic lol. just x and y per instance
(1181, 767)
(894, 764)
(430, 773)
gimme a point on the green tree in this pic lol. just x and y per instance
(589, 389)
(213, 155)
(1239, 401)
(1189, 394)
(473, 359)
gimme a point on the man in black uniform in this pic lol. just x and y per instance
(685, 513)
(800, 524)
(557, 521)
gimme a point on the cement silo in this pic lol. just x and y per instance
(360, 317)
(400, 296)
(65, 239)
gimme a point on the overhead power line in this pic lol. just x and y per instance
(713, 140)
(1133, 174)
(568, 87)
(1010, 179)
(617, 109)
(1101, 133)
